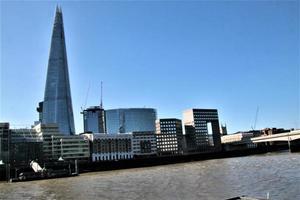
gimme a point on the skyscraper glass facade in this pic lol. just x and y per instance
(57, 105)
(130, 120)
(94, 120)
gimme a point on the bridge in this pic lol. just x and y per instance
(280, 137)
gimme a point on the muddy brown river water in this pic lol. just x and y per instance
(276, 173)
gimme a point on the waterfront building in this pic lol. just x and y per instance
(57, 104)
(238, 141)
(237, 137)
(94, 120)
(144, 144)
(25, 146)
(169, 136)
(126, 120)
(106, 147)
(4, 142)
(19, 146)
(189, 139)
(207, 129)
(57, 146)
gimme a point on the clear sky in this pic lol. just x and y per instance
(170, 55)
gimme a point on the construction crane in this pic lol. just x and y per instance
(86, 98)
(255, 120)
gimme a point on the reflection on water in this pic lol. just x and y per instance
(276, 173)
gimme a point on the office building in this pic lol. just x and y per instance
(207, 129)
(144, 144)
(57, 146)
(130, 120)
(169, 136)
(110, 147)
(57, 104)
(25, 146)
(19, 146)
(189, 140)
(94, 120)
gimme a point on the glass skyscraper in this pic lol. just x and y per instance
(126, 120)
(57, 105)
(94, 120)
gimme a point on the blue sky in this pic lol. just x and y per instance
(170, 55)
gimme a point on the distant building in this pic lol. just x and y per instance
(169, 136)
(94, 120)
(224, 129)
(144, 144)
(272, 131)
(40, 111)
(130, 120)
(238, 141)
(58, 146)
(237, 137)
(207, 128)
(110, 147)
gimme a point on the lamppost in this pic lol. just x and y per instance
(289, 142)
(8, 157)
(61, 150)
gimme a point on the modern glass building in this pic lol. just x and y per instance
(57, 105)
(125, 120)
(205, 123)
(94, 120)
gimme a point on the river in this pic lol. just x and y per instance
(276, 173)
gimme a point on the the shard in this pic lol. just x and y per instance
(57, 105)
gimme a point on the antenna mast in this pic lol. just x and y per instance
(101, 102)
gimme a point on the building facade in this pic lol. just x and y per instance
(94, 120)
(25, 146)
(57, 146)
(169, 136)
(238, 141)
(189, 140)
(144, 144)
(19, 146)
(224, 129)
(130, 120)
(5, 133)
(110, 147)
(206, 126)
(57, 104)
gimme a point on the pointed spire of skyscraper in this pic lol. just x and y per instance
(57, 9)
(57, 106)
